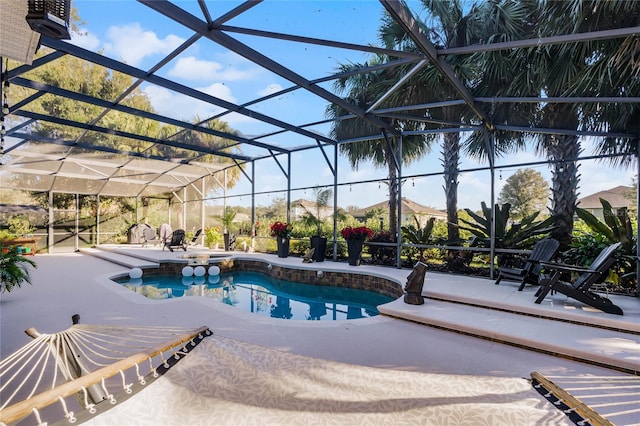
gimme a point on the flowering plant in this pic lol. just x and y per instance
(281, 229)
(360, 233)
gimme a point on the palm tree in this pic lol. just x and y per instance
(578, 69)
(617, 60)
(362, 90)
(569, 69)
(450, 24)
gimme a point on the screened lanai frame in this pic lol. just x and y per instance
(83, 166)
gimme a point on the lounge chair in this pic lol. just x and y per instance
(580, 289)
(177, 241)
(194, 240)
(150, 237)
(543, 251)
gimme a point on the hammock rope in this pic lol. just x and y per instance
(84, 361)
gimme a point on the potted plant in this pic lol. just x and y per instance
(282, 232)
(355, 237)
(14, 269)
(212, 236)
(227, 220)
(314, 218)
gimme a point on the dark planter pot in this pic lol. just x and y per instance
(226, 241)
(320, 246)
(354, 249)
(283, 247)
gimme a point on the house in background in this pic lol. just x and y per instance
(300, 207)
(410, 209)
(619, 198)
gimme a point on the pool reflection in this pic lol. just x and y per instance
(263, 295)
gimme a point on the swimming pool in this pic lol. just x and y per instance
(265, 295)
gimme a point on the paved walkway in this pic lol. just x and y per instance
(67, 284)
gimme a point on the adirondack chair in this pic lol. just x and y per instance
(177, 241)
(543, 251)
(194, 240)
(580, 289)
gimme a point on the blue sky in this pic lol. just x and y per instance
(129, 31)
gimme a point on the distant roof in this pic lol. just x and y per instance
(617, 197)
(408, 207)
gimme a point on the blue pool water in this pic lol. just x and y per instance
(264, 295)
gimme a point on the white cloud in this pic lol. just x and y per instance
(175, 105)
(86, 40)
(132, 44)
(272, 88)
(219, 90)
(192, 68)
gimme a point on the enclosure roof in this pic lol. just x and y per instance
(155, 163)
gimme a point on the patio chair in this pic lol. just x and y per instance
(150, 237)
(177, 241)
(165, 232)
(194, 240)
(580, 289)
(543, 251)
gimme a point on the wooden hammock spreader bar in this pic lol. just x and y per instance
(571, 401)
(24, 408)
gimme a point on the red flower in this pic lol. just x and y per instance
(281, 229)
(359, 233)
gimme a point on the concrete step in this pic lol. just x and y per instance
(615, 349)
(119, 259)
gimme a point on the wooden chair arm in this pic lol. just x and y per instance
(562, 267)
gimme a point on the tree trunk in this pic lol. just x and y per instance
(450, 163)
(564, 183)
(393, 197)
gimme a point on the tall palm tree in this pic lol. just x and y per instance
(451, 24)
(362, 90)
(428, 85)
(614, 71)
(568, 69)
(578, 69)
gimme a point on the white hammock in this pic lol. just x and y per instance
(83, 361)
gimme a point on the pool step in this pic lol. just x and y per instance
(615, 349)
(119, 259)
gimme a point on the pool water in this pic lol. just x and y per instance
(264, 295)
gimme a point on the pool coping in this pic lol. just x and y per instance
(329, 277)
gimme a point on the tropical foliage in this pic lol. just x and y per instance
(616, 227)
(212, 235)
(418, 236)
(314, 218)
(227, 218)
(386, 252)
(14, 268)
(522, 235)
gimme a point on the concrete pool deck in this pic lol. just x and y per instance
(607, 346)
